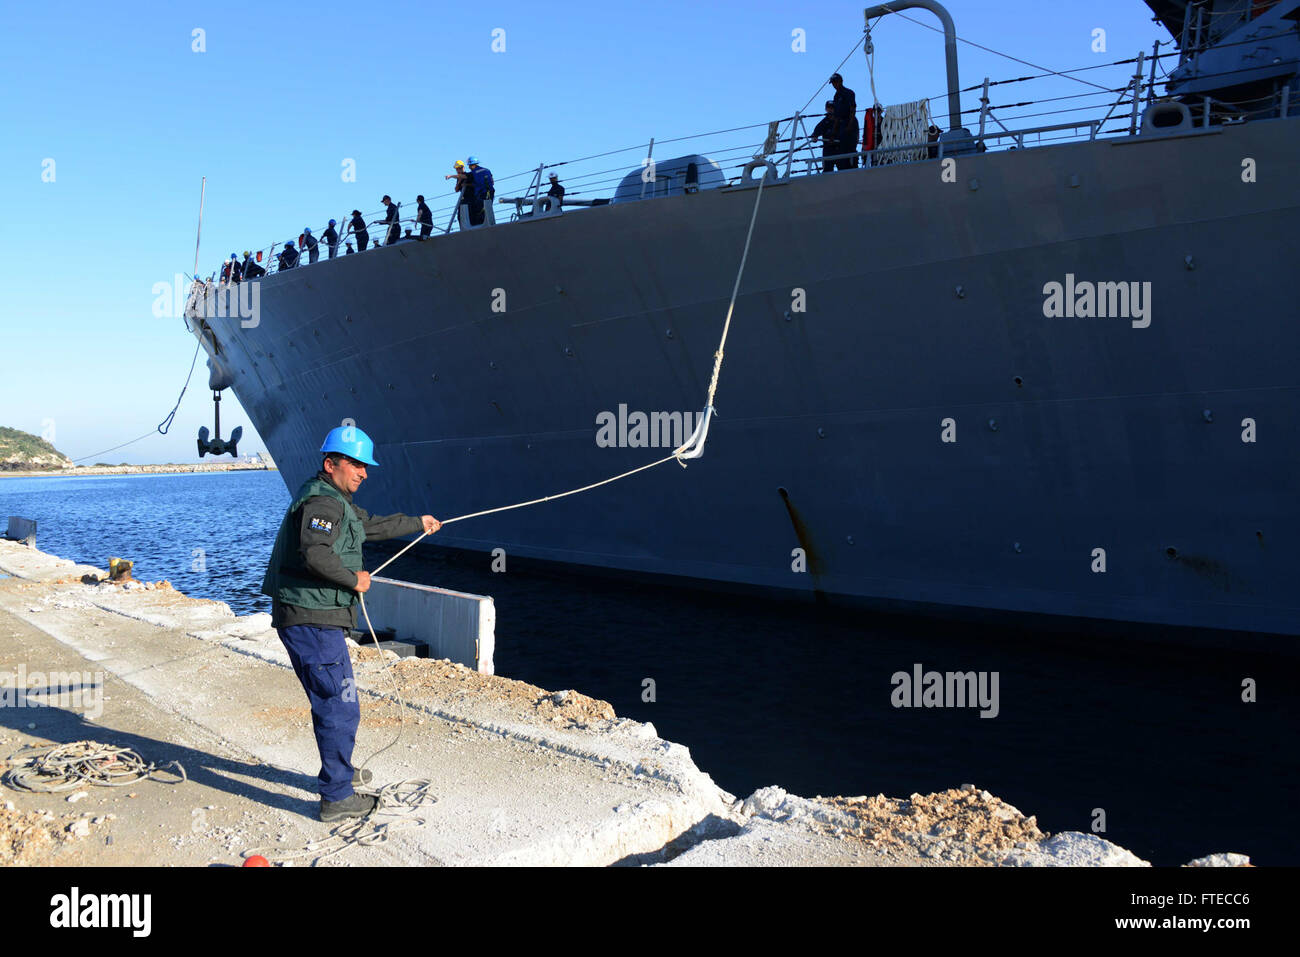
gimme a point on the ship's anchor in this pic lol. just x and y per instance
(218, 446)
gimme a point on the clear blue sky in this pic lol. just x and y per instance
(133, 118)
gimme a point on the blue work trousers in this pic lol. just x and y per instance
(320, 659)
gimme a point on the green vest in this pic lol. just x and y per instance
(288, 579)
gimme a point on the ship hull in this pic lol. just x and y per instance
(898, 422)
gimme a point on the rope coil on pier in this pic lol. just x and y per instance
(398, 810)
(63, 767)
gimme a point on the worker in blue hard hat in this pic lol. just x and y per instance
(331, 237)
(236, 269)
(482, 190)
(288, 257)
(314, 577)
(313, 247)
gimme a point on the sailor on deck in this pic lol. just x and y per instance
(423, 216)
(845, 108)
(482, 190)
(358, 226)
(825, 131)
(391, 221)
(313, 247)
(331, 237)
(251, 269)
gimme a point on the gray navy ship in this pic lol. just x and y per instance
(1040, 369)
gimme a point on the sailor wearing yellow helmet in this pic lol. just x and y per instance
(251, 269)
(462, 182)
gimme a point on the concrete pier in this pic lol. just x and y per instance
(521, 775)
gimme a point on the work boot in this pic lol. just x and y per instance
(358, 805)
(362, 776)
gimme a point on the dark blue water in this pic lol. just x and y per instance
(208, 533)
(1153, 733)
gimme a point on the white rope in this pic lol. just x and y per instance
(402, 813)
(869, 49)
(692, 448)
(904, 124)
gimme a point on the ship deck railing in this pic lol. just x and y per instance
(1102, 111)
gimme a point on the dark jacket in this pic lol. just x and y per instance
(236, 270)
(252, 270)
(359, 226)
(556, 190)
(309, 241)
(390, 218)
(483, 185)
(319, 521)
(288, 257)
(424, 215)
(843, 106)
(849, 140)
(330, 236)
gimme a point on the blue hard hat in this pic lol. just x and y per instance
(289, 242)
(331, 222)
(232, 255)
(472, 161)
(352, 442)
(307, 229)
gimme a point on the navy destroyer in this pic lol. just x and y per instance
(1025, 366)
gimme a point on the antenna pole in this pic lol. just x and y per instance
(199, 234)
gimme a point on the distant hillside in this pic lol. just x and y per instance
(24, 451)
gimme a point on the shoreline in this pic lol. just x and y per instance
(523, 775)
(169, 469)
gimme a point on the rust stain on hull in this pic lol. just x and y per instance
(1212, 571)
(816, 566)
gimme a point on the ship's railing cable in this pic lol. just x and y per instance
(1047, 70)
